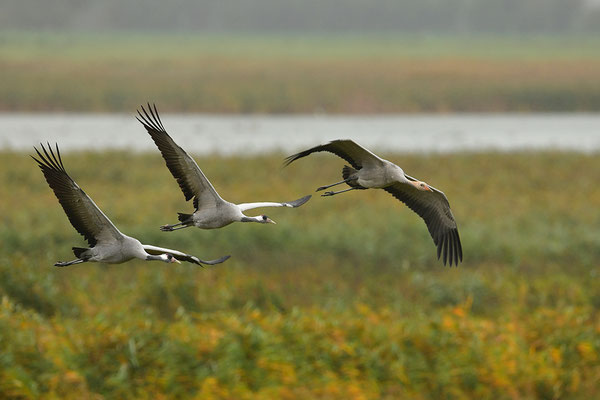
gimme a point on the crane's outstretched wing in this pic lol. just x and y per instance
(181, 256)
(84, 214)
(189, 176)
(296, 203)
(350, 151)
(434, 208)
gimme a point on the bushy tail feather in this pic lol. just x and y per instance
(349, 175)
(347, 171)
(78, 251)
(184, 218)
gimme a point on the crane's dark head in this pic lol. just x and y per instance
(168, 258)
(263, 219)
(421, 186)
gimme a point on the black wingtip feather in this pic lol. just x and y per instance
(46, 162)
(300, 201)
(62, 167)
(47, 158)
(150, 118)
(61, 183)
(158, 118)
(290, 159)
(450, 247)
(455, 248)
(458, 256)
(56, 163)
(294, 157)
(445, 249)
(460, 252)
(217, 261)
(40, 164)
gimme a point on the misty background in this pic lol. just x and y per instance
(446, 17)
(494, 102)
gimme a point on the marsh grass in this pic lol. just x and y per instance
(343, 298)
(298, 74)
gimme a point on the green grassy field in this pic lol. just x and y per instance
(298, 74)
(342, 299)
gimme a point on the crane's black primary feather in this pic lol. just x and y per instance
(191, 179)
(299, 202)
(167, 147)
(434, 209)
(332, 147)
(432, 206)
(63, 187)
(83, 214)
(214, 262)
(182, 256)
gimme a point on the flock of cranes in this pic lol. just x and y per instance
(108, 245)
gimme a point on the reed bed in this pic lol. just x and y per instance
(342, 299)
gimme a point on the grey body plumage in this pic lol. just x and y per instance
(211, 211)
(107, 243)
(368, 171)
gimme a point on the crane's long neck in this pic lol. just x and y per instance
(261, 219)
(137, 250)
(396, 173)
(251, 219)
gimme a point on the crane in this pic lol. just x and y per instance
(211, 211)
(368, 171)
(107, 243)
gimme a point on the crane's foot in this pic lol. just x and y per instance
(167, 228)
(67, 263)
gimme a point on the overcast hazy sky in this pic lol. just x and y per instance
(306, 16)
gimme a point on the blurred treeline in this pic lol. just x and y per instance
(268, 16)
(302, 74)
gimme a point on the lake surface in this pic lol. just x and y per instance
(226, 135)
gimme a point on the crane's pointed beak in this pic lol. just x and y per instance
(270, 221)
(421, 186)
(174, 260)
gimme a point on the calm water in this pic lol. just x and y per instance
(203, 134)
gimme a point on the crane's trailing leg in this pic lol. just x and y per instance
(332, 185)
(184, 219)
(338, 192)
(170, 228)
(349, 174)
(67, 263)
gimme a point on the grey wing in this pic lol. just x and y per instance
(84, 214)
(292, 204)
(434, 208)
(347, 149)
(189, 176)
(182, 256)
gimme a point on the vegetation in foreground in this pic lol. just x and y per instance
(298, 75)
(342, 299)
